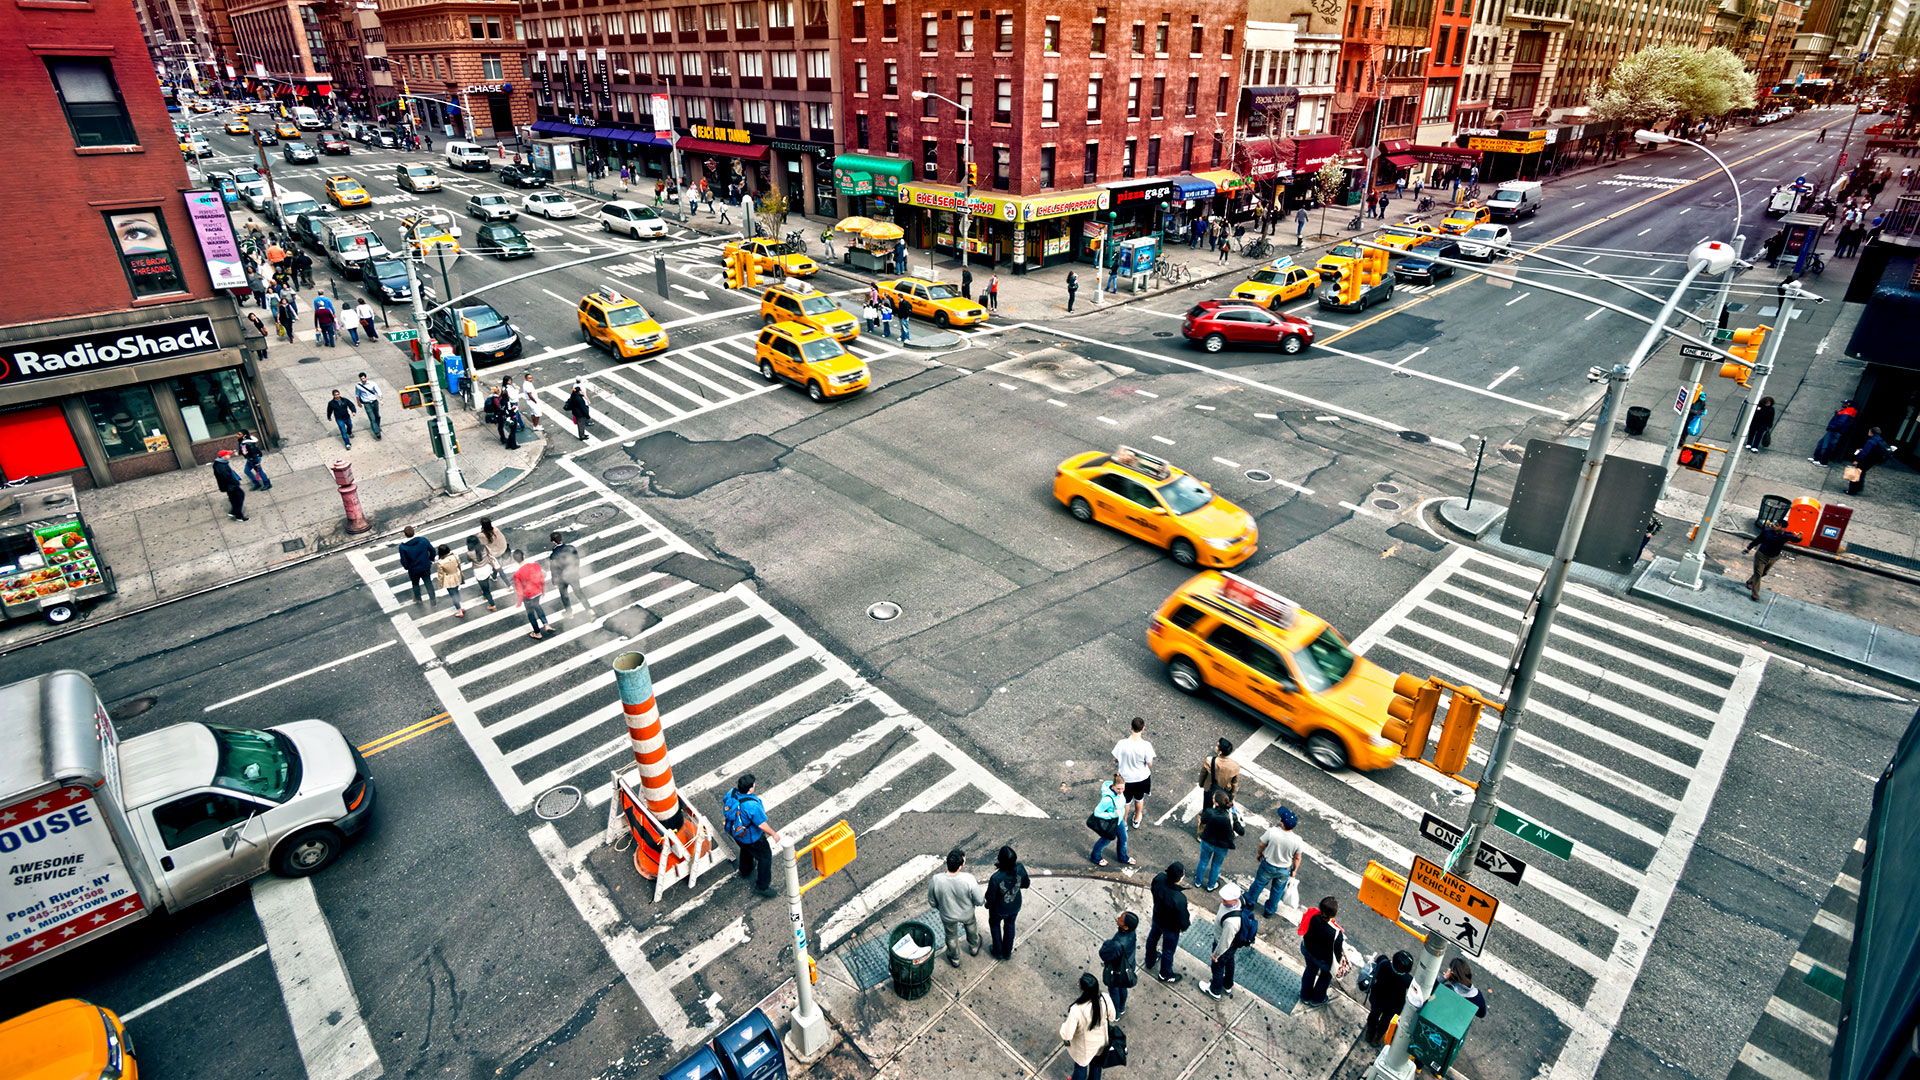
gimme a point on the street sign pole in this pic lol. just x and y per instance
(455, 482)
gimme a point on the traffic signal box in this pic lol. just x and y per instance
(1694, 455)
(743, 270)
(973, 174)
(1746, 346)
(1411, 714)
(1373, 267)
(1347, 291)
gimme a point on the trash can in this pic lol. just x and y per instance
(1773, 511)
(912, 965)
(1637, 417)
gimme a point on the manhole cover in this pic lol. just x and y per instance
(1385, 488)
(1386, 504)
(134, 707)
(1259, 476)
(1414, 437)
(884, 611)
(558, 802)
(593, 515)
(1512, 454)
(621, 474)
(1162, 333)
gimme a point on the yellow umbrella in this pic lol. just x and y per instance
(882, 231)
(855, 224)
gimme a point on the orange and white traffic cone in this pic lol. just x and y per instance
(672, 840)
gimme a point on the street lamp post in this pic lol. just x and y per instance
(966, 169)
(1379, 124)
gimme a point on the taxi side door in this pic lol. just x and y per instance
(918, 301)
(786, 358)
(786, 309)
(1300, 281)
(1127, 505)
(1251, 672)
(593, 320)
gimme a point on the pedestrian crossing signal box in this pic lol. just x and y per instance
(416, 397)
(439, 450)
(833, 849)
(1693, 456)
(1381, 890)
(1439, 1031)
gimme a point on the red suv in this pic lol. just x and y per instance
(1215, 324)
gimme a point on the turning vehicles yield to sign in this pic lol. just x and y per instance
(1444, 903)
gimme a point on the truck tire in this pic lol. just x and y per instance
(307, 852)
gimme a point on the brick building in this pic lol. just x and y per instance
(1118, 117)
(1292, 55)
(130, 359)
(287, 40)
(459, 56)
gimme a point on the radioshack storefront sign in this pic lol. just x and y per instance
(104, 348)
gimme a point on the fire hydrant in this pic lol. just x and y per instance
(350, 496)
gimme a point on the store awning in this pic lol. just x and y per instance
(1225, 180)
(1262, 159)
(1395, 146)
(1445, 155)
(1310, 152)
(544, 127)
(608, 133)
(1004, 207)
(854, 183)
(1402, 161)
(749, 151)
(883, 174)
(1192, 187)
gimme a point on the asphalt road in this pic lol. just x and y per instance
(1712, 784)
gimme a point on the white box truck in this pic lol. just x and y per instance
(97, 833)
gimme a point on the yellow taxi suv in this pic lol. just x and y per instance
(1276, 283)
(1401, 238)
(1220, 633)
(67, 1039)
(287, 130)
(619, 324)
(809, 359)
(238, 127)
(798, 302)
(1461, 218)
(773, 256)
(1143, 496)
(932, 300)
(346, 191)
(1340, 255)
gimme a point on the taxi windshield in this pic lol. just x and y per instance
(1184, 495)
(1269, 277)
(823, 349)
(627, 316)
(941, 292)
(255, 762)
(818, 305)
(1346, 251)
(1323, 662)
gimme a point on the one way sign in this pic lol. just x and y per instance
(1487, 857)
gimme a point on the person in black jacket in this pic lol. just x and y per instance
(229, 484)
(416, 558)
(1391, 981)
(340, 411)
(1170, 920)
(1116, 960)
(1321, 947)
(1873, 452)
(1003, 902)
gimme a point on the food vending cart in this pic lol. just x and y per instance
(48, 563)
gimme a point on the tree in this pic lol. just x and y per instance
(1327, 181)
(1667, 82)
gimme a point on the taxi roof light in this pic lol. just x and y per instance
(1257, 601)
(1144, 463)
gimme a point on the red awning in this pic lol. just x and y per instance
(1395, 146)
(1258, 159)
(1401, 161)
(1313, 151)
(750, 151)
(1444, 154)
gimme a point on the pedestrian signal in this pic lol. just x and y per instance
(416, 397)
(1693, 456)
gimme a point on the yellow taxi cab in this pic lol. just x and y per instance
(243, 109)
(810, 359)
(1461, 218)
(287, 130)
(201, 107)
(1338, 256)
(238, 127)
(932, 300)
(769, 254)
(1276, 283)
(619, 324)
(67, 1039)
(799, 302)
(1144, 496)
(1401, 238)
(1222, 633)
(346, 191)
(429, 225)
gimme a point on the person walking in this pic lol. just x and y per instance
(577, 408)
(363, 311)
(564, 558)
(1219, 773)
(1278, 859)
(416, 558)
(529, 584)
(529, 401)
(1003, 902)
(1085, 1030)
(250, 452)
(259, 287)
(1760, 428)
(886, 319)
(1170, 920)
(1225, 249)
(485, 569)
(1133, 760)
(1199, 234)
(966, 283)
(1216, 828)
(1400, 187)
(367, 393)
(229, 485)
(1233, 928)
(903, 315)
(1109, 821)
(323, 319)
(956, 895)
(1837, 428)
(288, 312)
(446, 573)
(1322, 944)
(1460, 980)
(1772, 540)
(745, 817)
(1392, 984)
(259, 328)
(993, 292)
(1300, 227)
(1117, 971)
(1872, 452)
(510, 421)
(1073, 286)
(340, 411)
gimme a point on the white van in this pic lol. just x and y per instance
(291, 205)
(1514, 200)
(350, 244)
(305, 119)
(466, 155)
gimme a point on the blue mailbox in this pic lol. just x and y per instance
(750, 1049)
(702, 1064)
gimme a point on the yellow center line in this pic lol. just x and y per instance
(389, 741)
(1563, 237)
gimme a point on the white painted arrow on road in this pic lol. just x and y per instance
(697, 294)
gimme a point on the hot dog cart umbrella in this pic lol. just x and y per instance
(48, 563)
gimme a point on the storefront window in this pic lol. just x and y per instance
(213, 404)
(127, 420)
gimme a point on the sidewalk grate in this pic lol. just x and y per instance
(1260, 974)
(867, 962)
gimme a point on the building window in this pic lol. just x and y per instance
(1220, 99)
(930, 34)
(860, 22)
(213, 404)
(718, 64)
(1160, 39)
(930, 159)
(691, 64)
(1440, 51)
(146, 254)
(722, 110)
(1091, 168)
(859, 76)
(815, 13)
(1133, 98)
(1050, 40)
(1186, 153)
(1046, 166)
(716, 16)
(785, 65)
(1153, 156)
(91, 98)
(1004, 39)
(1193, 94)
(893, 134)
(1126, 159)
(1226, 42)
(819, 64)
(1002, 167)
(889, 21)
(1099, 35)
(1049, 101)
(753, 112)
(491, 69)
(820, 117)
(1159, 96)
(1003, 101)
(750, 65)
(1093, 98)
(696, 110)
(893, 80)
(127, 421)
(1219, 144)
(662, 23)
(965, 96)
(860, 130)
(780, 14)
(1139, 39)
(966, 33)
(1199, 36)
(476, 28)
(786, 114)
(929, 105)
(685, 17)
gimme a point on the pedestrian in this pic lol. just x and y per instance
(1392, 983)
(1073, 286)
(1217, 826)
(340, 411)
(1322, 945)
(1220, 773)
(289, 312)
(1085, 1030)
(1234, 928)
(510, 422)
(366, 393)
(1133, 760)
(229, 485)
(577, 408)
(1170, 920)
(1760, 428)
(485, 569)
(826, 241)
(903, 314)
(259, 328)
(323, 317)
(1109, 821)
(966, 283)
(1419, 186)
(1003, 902)
(364, 312)
(258, 285)
(529, 400)
(1300, 227)
(993, 292)
(1772, 540)
(446, 573)
(1279, 860)
(250, 452)
(416, 558)
(1872, 452)
(1117, 971)
(956, 895)
(1225, 250)
(564, 558)
(886, 319)
(1199, 234)
(302, 264)
(745, 817)
(1837, 429)
(1460, 980)
(1400, 188)
(529, 584)
(659, 193)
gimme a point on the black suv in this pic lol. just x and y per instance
(307, 227)
(386, 279)
(297, 152)
(1417, 266)
(521, 176)
(494, 339)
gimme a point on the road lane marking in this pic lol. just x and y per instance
(1643, 232)
(1206, 408)
(411, 731)
(1469, 387)
(1593, 260)
(558, 297)
(1592, 313)
(1357, 509)
(327, 1027)
(257, 950)
(1163, 439)
(1577, 205)
(1228, 464)
(1415, 356)
(1051, 401)
(277, 683)
(1165, 314)
(1107, 420)
(1143, 393)
(1267, 415)
(1519, 298)
(1504, 376)
(1685, 210)
(1291, 486)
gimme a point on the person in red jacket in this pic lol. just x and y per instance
(529, 582)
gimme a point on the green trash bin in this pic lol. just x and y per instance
(911, 978)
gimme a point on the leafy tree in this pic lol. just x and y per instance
(1327, 181)
(1666, 82)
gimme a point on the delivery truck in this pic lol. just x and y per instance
(96, 833)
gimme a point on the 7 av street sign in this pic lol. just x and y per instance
(1487, 857)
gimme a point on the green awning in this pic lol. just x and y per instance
(854, 183)
(883, 174)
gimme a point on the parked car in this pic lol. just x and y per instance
(386, 280)
(1216, 324)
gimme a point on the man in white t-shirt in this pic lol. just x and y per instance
(1133, 760)
(1279, 860)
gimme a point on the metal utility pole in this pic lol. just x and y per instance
(1394, 1062)
(455, 482)
(810, 1031)
(966, 174)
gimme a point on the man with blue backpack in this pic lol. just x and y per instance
(746, 821)
(1234, 928)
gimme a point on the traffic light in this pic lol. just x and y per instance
(736, 270)
(414, 397)
(1746, 346)
(1373, 267)
(1411, 714)
(973, 174)
(1456, 731)
(750, 269)
(1349, 285)
(1693, 456)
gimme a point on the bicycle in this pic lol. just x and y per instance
(1355, 222)
(1258, 249)
(797, 242)
(1174, 273)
